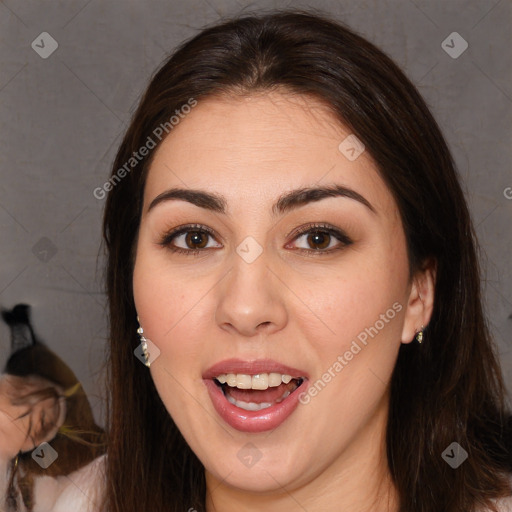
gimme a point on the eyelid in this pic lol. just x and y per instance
(337, 233)
(313, 227)
(185, 228)
(316, 226)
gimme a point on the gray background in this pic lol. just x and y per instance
(62, 119)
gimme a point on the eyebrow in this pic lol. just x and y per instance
(288, 201)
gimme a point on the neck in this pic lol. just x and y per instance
(358, 481)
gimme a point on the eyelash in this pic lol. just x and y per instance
(310, 228)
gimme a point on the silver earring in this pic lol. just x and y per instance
(144, 344)
(419, 335)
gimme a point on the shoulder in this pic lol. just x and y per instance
(80, 490)
(504, 504)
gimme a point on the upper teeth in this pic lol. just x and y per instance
(260, 381)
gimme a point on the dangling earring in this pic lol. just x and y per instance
(419, 335)
(144, 344)
(12, 491)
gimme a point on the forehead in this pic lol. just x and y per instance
(261, 145)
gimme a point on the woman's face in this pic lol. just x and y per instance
(25, 421)
(266, 295)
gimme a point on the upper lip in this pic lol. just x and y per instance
(255, 367)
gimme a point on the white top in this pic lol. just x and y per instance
(81, 490)
(505, 504)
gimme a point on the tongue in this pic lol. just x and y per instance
(259, 396)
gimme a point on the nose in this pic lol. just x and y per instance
(251, 299)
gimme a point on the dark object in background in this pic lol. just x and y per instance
(79, 440)
(29, 356)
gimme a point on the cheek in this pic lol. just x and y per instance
(354, 296)
(12, 433)
(168, 304)
(359, 322)
(361, 309)
(171, 308)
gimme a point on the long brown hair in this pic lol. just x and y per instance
(447, 389)
(37, 374)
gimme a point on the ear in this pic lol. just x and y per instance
(421, 301)
(44, 420)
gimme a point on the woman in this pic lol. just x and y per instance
(285, 221)
(42, 401)
(37, 477)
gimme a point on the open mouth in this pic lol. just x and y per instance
(257, 392)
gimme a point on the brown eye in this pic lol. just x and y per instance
(199, 239)
(321, 239)
(191, 239)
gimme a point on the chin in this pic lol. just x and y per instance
(261, 478)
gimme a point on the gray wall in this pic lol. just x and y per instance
(62, 118)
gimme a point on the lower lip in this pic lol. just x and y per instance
(253, 421)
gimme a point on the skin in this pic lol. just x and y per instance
(21, 425)
(300, 308)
